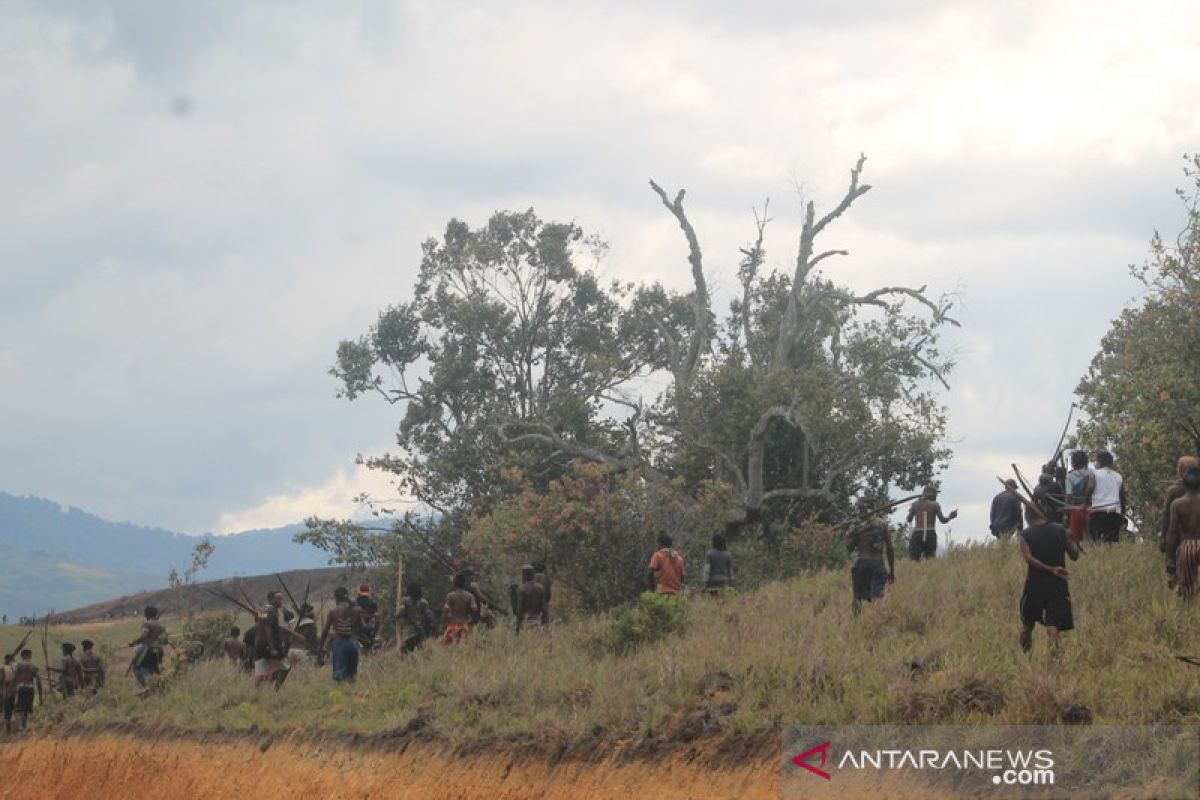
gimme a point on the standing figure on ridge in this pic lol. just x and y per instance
(926, 513)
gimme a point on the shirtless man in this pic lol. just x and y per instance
(271, 664)
(531, 598)
(232, 646)
(1183, 538)
(871, 539)
(1046, 599)
(93, 667)
(70, 672)
(345, 623)
(8, 685)
(26, 679)
(926, 512)
(1175, 491)
(458, 611)
(147, 659)
(415, 618)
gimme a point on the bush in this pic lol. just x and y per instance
(652, 617)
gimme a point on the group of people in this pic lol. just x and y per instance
(1050, 523)
(21, 680)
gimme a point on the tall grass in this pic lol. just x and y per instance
(941, 648)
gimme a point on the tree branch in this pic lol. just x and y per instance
(700, 297)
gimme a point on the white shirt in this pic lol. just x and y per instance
(1107, 494)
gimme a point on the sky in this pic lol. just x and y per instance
(199, 201)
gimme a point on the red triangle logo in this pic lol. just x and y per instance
(802, 760)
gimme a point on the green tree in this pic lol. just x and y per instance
(1141, 393)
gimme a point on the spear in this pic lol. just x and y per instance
(292, 600)
(233, 600)
(24, 639)
(46, 649)
(1061, 439)
(1021, 479)
(880, 510)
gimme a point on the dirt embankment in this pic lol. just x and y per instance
(105, 765)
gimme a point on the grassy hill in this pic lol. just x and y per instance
(942, 648)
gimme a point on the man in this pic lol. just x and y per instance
(718, 572)
(248, 648)
(1079, 486)
(1048, 495)
(1183, 538)
(416, 618)
(1175, 491)
(345, 623)
(541, 576)
(1006, 512)
(271, 644)
(483, 609)
(531, 598)
(368, 609)
(26, 678)
(233, 647)
(666, 568)
(926, 512)
(8, 684)
(1108, 501)
(1046, 599)
(458, 611)
(148, 658)
(871, 539)
(70, 672)
(94, 674)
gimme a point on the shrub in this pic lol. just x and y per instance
(652, 617)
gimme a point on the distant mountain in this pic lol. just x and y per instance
(55, 557)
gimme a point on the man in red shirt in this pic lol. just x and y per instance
(666, 568)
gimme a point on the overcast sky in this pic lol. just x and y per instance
(198, 201)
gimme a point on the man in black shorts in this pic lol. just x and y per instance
(926, 513)
(872, 539)
(1046, 598)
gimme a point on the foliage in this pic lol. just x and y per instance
(649, 619)
(1142, 390)
(197, 564)
(504, 329)
(595, 527)
(512, 364)
(202, 637)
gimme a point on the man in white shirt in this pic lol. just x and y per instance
(1107, 513)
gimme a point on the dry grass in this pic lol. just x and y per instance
(942, 648)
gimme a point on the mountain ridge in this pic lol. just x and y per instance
(60, 556)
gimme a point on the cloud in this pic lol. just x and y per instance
(334, 499)
(175, 284)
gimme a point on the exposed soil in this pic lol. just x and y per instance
(103, 765)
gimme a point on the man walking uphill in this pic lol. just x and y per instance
(871, 539)
(344, 622)
(1183, 538)
(1108, 501)
(926, 512)
(1006, 512)
(1046, 599)
(666, 568)
(531, 599)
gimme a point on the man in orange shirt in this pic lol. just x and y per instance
(666, 568)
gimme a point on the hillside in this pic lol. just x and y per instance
(59, 557)
(941, 649)
(319, 582)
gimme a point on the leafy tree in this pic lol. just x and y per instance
(1141, 392)
(512, 359)
(599, 527)
(505, 338)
